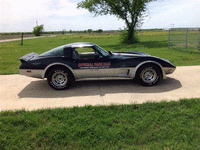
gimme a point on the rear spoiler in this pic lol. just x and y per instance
(28, 56)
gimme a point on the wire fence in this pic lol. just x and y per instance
(184, 39)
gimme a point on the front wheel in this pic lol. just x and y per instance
(59, 78)
(148, 75)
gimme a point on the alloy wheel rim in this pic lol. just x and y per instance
(149, 75)
(59, 79)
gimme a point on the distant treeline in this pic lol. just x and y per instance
(83, 31)
(61, 32)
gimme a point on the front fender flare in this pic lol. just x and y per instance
(133, 74)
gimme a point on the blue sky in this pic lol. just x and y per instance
(57, 15)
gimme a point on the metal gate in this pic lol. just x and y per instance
(184, 39)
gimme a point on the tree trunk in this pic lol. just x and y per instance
(131, 37)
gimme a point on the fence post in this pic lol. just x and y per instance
(169, 39)
(22, 38)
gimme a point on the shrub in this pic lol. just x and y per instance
(63, 31)
(89, 30)
(100, 31)
(38, 30)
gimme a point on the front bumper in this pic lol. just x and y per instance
(36, 73)
(168, 70)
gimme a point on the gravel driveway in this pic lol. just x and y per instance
(17, 91)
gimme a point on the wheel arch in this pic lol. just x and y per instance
(149, 62)
(54, 65)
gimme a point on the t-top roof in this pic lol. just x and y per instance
(80, 44)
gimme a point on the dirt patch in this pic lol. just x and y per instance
(6, 37)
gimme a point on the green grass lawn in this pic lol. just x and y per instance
(167, 126)
(154, 43)
(156, 126)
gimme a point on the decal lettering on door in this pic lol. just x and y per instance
(99, 65)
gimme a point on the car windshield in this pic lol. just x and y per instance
(102, 51)
(58, 51)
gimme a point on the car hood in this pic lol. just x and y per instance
(135, 54)
(129, 54)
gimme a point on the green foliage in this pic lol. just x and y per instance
(125, 37)
(151, 42)
(99, 30)
(163, 125)
(37, 30)
(130, 11)
(70, 31)
(63, 31)
(89, 30)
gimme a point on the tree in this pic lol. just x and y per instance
(70, 31)
(130, 11)
(89, 30)
(100, 31)
(63, 31)
(37, 30)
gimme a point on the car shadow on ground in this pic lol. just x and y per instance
(40, 88)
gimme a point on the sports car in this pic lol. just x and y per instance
(67, 63)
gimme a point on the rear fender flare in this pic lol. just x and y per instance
(58, 64)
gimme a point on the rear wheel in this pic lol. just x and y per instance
(59, 78)
(148, 75)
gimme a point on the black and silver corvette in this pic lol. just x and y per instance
(65, 64)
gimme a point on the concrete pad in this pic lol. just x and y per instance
(17, 91)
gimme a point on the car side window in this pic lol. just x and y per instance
(84, 53)
(58, 51)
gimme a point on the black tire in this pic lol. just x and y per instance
(59, 78)
(148, 75)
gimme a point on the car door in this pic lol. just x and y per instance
(91, 64)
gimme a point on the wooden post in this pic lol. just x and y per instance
(22, 38)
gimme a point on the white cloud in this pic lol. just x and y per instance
(181, 13)
(14, 13)
(66, 8)
(21, 15)
(22, 10)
